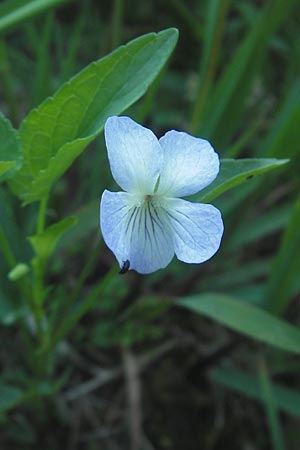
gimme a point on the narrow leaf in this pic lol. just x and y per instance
(234, 172)
(246, 319)
(271, 407)
(288, 400)
(286, 268)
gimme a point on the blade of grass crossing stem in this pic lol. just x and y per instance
(245, 318)
(12, 12)
(225, 106)
(215, 19)
(286, 268)
(270, 407)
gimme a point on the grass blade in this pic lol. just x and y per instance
(245, 318)
(286, 268)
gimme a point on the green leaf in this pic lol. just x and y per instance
(45, 243)
(9, 311)
(288, 400)
(58, 131)
(10, 151)
(246, 319)
(286, 268)
(234, 172)
(10, 397)
(5, 166)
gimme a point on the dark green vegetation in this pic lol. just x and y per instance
(191, 357)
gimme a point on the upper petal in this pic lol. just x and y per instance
(134, 154)
(134, 232)
(189, 164)
(197, 229)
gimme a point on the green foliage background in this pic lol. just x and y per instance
(192, 356)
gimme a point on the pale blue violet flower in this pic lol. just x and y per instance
(148, 223)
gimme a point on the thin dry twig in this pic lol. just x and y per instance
(134, 394)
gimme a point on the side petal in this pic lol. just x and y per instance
(137, 233)
(134, 154)
(114, 210)
(197, 229)
(189, 164)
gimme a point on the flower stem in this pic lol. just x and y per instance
(42, 215)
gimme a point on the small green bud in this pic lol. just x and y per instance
(18, 272)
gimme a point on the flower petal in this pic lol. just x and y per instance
(134, 154)
(197, 229)
(189, 164)
(137, 233)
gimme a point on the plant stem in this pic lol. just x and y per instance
(42, 215)
(38, 288)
